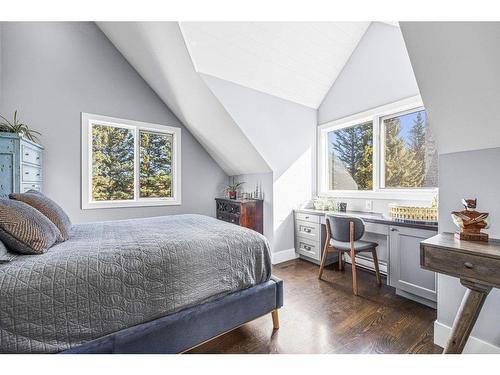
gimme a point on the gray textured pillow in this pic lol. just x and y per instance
(47, 207)
(25, 230)
(5, 255)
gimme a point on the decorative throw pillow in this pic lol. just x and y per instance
(49, 208)
(5, 255)
(24, 229)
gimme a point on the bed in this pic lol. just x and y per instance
(153, 285)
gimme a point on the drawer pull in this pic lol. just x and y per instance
(468, 265)
(307, 217)
(26, 173)
(307, 247)
(307, 230)
(26, 154)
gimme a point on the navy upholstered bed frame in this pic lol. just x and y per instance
(188, 328)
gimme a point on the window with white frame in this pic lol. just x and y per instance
(390, 149)
(129, 163)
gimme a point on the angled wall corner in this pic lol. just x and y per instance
(157, 51)
(284, 133)
(456, 66)
(378, 72)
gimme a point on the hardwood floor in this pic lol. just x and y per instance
(325, 317)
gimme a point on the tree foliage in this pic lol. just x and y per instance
(403, 168)
(113, 168)
(409, 156)
(112, 163)
(354, 148)
(155, 165)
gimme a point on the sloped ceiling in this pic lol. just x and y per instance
(456, 66)
(158, 53)
(297, 61)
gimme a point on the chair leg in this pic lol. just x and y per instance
(377, 270)
(341, 261)
(276, 319)
(354, 275)
(323, 261)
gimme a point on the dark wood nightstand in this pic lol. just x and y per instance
(247, 213)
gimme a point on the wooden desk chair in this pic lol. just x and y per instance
(343, 234)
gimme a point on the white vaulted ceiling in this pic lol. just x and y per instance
(297, 61)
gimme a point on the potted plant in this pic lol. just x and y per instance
(232, 189)
(18, 128)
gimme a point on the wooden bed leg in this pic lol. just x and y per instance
(276, 319)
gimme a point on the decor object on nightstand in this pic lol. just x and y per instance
(246, 213)
(232, 189)
(470, 222)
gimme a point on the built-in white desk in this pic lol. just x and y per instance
(398, 250)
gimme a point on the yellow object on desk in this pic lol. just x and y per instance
(427, 214)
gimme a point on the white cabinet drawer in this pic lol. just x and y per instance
(307, 217)
(30, 155)
(308, 248)
(30, 173)
(27, 187)
(305, 229)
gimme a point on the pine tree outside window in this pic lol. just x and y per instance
(387, 152)
(129, 163)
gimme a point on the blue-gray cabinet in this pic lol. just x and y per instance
(20, 164)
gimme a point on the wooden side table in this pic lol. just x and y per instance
(476, 264)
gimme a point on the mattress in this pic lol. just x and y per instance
(112, 275)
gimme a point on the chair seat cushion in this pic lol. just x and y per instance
(358, 245)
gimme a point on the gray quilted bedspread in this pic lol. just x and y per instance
(113, 275)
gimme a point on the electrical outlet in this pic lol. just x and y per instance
(369, 205)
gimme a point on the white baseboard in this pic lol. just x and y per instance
(473, 346)
(283, 256)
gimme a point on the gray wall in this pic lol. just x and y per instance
(456, 66)
(53, 71)
(379, 72)
(469, 175)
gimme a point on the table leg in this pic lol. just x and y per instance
(466, 317)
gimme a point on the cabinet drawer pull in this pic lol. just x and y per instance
(307, 217)
(468, 265)
(307, 247)
(26, 173)
(26, 154)
(394, 230)
(307, 230)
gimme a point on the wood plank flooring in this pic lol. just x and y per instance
(325, 317)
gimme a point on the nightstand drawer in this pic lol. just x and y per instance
(30, 173)
(27, 187)
(307, 217)
(308, 248)
(464, 266)
(30, 155)
(305, 229)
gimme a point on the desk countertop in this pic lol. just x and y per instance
(371, 217)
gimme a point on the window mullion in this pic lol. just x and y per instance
(136, 164)
(377, 149)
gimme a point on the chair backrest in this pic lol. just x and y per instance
(340, 227)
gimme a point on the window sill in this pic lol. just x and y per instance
(417, 195)
(122, 204)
